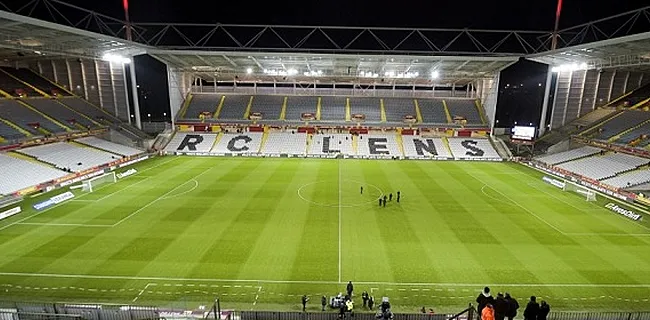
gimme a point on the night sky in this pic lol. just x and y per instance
(505, 14)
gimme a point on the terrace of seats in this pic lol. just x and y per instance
(70, 157)
(297, 105)
(10, 85)
(109, 146)
(398, 108)
(464, 108)
(332, 108)
(620, 123)
(602, 167)
(391, 146)
(367, 106)
(35, 80)
(200, 142)
(201, 103)
(286, 143)
(635, 134)
(59, 112)
(338, 141)
(432, 111)
(570, 155)
(9, 133)
(234, 107)
(22, 116)
(240, 145)
(472, 148)
(630, 179)
(89, 110)
(18, 174)
(269, 106)
(410, 150)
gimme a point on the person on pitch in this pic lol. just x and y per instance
(304, 301)
(384, 201)
(323, 302)
(390, 197)
(398, 196)
(380, 201)
(361, 189)
(364, 296)
(350, 288)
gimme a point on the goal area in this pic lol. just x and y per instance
(586, 193)
(93, 183)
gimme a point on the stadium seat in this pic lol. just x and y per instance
(565, 156)
(109, 146)
(432, 111)
(424, 147)
(602, 167)
(239, 143)
(472, 148)
(367, 106)
(18, 174)
(89, 110)
(68, 156)
(269, 106)
(333, 108)
(234, 107)
(398, 108)
(616, 125)
(331, 144)
(297, 105)
(630, 179)
(378, 145)
(465, 108)
(60, 113)
(35, 80)
(10, 85)
(23, 117)
(190, 142)
(292, 143)
(201, 103)
(9, 133)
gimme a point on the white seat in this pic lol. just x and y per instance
(19, 174)
(424, 147)
(67, 156)
(109, 146)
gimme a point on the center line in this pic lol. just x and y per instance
(340, 208)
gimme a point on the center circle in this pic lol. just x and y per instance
(334, 194)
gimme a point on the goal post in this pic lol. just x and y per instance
(91, 184)
(587, 193)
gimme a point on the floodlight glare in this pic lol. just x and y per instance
(115, 58)
(249, 70)
(435, 74)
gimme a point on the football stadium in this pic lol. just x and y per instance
(318, 178)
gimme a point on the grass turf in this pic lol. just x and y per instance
(259, 233)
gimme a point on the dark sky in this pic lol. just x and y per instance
(505, 14)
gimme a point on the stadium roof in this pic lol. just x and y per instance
(311, 53)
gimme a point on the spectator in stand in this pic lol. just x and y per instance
(532, 309)
(500, 307)
(544, 310)
(513, 306)
(488, 312)
(483, 299)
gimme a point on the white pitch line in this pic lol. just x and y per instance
(340, 222)
(142, 291)
(422, 284)
(66, 224)
(158, 199)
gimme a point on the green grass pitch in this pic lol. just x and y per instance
(259, 233)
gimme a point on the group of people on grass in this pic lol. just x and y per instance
(505, 306)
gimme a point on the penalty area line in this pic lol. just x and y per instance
(379, 283)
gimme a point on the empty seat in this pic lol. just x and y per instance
(331, 144)
(239, 143)
(425, 147)
(18, 174)
(110, 146)
(398, 108)
(11, 86)
(602, 167)
(472, 148)
(628, 180)
(201, 103)
(60, 112)
(89, 110)
(332, 108)
(70, 157)
(569, 155)
(9, 133)
(26, 118)
(297, 105)
(191, 142)
(369, 107)
(378, 145)
(465, 108)
(620, 123)
(293, 143)
(35, 80)
(432, 110)
(269, 106)
(234, 107)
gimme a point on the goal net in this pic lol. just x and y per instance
(92, 184)
(588, 194)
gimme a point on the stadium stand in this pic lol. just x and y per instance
(635, 134)
(292, 143)
(201, 103)
(465, 108)
(12, 86)
(35, 80)
(366, 106)
(630, 179)
(61, 113)
(234, 107)
(297, 105)
(90, 110)
(332, 108)
(636, 96)
(398, 108)
(602, 167)
(570, 155)
(378, 145)
(18, 174)
(330, 144)
(432, 111)
(109, 146)
(620, 123)
(26, 118)
(69, 157)
(9, 133)
(269, 106)
(239, 143)
(190, 142)
(472, 148)
(425, 147)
